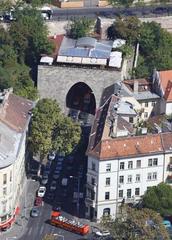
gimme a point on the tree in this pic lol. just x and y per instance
(126, 28)
(30, 39)
(134, 224)
(79, 28)
(51, 130)
(159, 198)
(124, 3)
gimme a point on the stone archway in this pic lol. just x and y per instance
(81, 97)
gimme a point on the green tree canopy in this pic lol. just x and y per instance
(159, 198)
(79, 28)
(51, 130)
(127, 28)
(134, 224)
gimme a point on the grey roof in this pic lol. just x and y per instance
(86, 42)
(85, 47)
(10, 141)
(146, 95)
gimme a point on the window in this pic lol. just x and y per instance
(128, 193)
(153, 104)
(130, 164)
(4, 179)
(4, 218)
(93, 166)
(145, 114)
(4, 191)
(121, 165)
(106, 211)
(150, 162)
(129, 178)
(155, 161)
(131, 119)
(170, 160)
(137, 191)
(138, 164)
(93, 181)
(149, 177)
(121, 179)
(108, 167)
(154, 176)
(137, 177)
(120, 194)
(146, 104)
(107, 195)
(107, 181)
(10, 176)
(4, 207)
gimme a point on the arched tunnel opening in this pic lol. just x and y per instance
(80, 100)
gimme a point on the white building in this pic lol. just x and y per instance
(123, 168)
(14, 119)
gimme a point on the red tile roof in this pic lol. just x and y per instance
(127, 147)
(166, 84)
(167, 141)
(15, 112)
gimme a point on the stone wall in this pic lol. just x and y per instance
(55, 81)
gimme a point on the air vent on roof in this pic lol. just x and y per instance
(125, 145)
(137, 143)
(152, 142)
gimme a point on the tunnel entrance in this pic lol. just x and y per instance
(80, 100)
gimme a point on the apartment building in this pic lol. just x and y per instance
(14, 120)
(121, 169)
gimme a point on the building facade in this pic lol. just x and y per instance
(14, 119)
(121, 169)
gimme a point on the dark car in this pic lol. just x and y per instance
(34, 212)
(160, 10)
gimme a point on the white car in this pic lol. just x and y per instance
(41, 191)
(102, 233)
(51, 156)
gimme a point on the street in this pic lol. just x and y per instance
(144, 11)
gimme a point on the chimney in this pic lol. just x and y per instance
(136, 86)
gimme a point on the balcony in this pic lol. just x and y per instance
(169, 179)
(90, 202)
(170, 167)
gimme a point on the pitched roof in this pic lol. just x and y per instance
(166, 84)
(167, 141)
(15, 112)
(127, 147)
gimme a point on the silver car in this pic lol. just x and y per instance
(34, 212)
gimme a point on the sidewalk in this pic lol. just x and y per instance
(26, 203)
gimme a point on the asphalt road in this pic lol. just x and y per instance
(39, 226)
(61, 14)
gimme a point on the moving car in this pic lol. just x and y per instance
(34, 212)
(41, 191)
(167, 224)
(102, 233)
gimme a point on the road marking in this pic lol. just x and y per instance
(41, 230)
(30, 230)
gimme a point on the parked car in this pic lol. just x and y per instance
(44, 179)
(60, 159)
(56, 175)
(64, 182)
(58, 168)
(34, 212)
(51, 156)
(38, 201)
(41, 191)
(53, 186)
(167, 224)
(50, 196)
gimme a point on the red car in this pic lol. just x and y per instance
(38, 201)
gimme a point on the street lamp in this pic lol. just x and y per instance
(58, 235)
(77, 205)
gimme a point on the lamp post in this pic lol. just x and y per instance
(77, 204)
